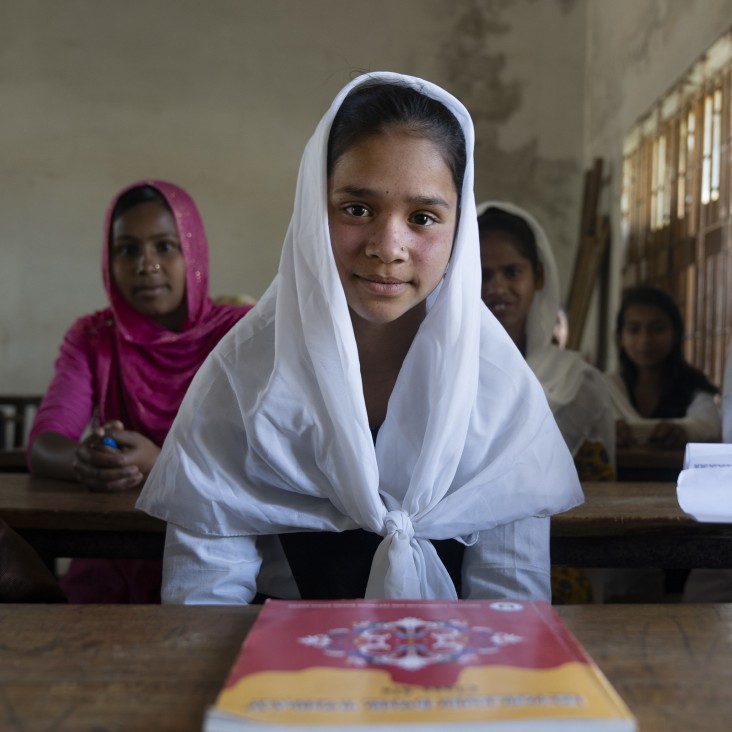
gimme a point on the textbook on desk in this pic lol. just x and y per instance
(414, 665)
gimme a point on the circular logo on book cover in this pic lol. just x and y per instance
(410, 643)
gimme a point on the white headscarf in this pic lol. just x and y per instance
(576, 391)
(273, 435)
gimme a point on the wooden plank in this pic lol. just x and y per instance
(591, 257)
(158, 667)
(30, 502)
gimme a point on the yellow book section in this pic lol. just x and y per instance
(337, 697)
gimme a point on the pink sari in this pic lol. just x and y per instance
(119, 364)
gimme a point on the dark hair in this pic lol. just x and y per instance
(682, 379)
(375, 108)
(516, 228)
(134, 197)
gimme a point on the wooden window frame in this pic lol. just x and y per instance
(676, 204)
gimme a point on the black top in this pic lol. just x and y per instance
(330, 565)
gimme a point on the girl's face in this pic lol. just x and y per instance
(647, 335)
(509, 283)
(147, 263)
(392, 211)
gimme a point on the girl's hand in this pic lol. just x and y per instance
(623, 434)
(102, 467)
(137, 449)
(668, 436)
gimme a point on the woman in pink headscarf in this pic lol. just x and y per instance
(122, 372)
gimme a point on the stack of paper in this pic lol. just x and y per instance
(704, 487)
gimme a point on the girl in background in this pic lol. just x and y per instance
(521, 289)
(122, 372)
(659, 398)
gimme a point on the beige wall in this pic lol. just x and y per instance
(221, 97)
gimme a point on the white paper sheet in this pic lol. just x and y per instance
(704, 486)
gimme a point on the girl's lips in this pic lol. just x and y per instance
(382, 285)
(646, 355)
(150, 291)
(499, 307)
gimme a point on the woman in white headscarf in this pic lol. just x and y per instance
(369, 393)
(521, 288)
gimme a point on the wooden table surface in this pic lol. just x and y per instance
(158, 667)
(618, 509)
(612, 508)
(64, 519)
(649, 457)
(648, 463)
(30, 502)
(637, 524)
(619, 525)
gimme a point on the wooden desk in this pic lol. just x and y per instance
(647, 463)
(619, 525)
(64, 519)
(158, 667)
(637, 525)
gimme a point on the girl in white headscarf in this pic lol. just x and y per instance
(521, 288)
(369, 393)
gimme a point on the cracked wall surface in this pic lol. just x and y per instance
(222, 96)
(518, 66)
(636, 51)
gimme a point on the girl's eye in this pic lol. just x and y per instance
(356, 209)
(423, 219)
(125, 250)
(167, 245)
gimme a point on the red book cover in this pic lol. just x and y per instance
(414, 665)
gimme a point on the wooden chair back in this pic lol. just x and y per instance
(16, 418)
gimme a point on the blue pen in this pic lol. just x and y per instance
(110, 442)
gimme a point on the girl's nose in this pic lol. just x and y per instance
(494, 283)
(388, 242)
(643, 336)
(148, 262)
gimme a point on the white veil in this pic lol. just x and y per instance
(273, 435)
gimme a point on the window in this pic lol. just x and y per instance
(677, 200)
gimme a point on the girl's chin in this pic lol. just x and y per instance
(507, 322)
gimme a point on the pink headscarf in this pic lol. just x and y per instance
(144, 369)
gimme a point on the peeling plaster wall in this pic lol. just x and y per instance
(636, 50)
(221, 97)
(519, 67)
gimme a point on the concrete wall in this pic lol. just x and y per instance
(636, 51)
(220, 97)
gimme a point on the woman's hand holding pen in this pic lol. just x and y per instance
(114, 459)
